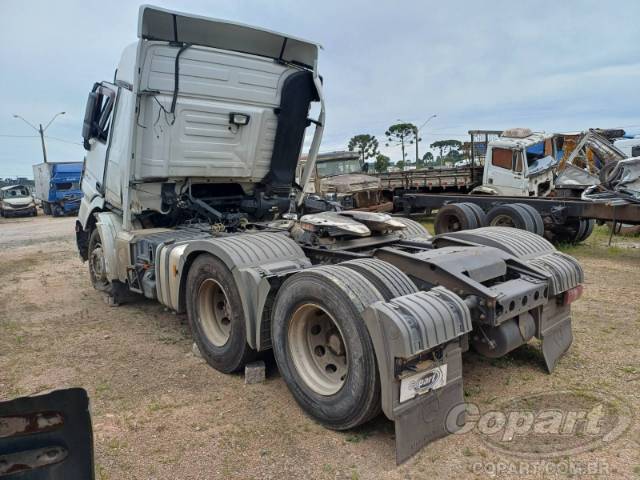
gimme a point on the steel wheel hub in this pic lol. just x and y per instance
(214, 313)
(318, 350)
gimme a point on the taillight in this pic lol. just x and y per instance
(572, 294)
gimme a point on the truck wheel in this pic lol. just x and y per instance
(388, 279)
(454, 217)
(510, 215)
(589, 225)
(215, 315)
(481, 217)
(535, 216)
(323, 348)
(414, 229)
(570, 232)
(46, 208)
(98, 271)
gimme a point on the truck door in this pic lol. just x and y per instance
(95, 132)
(505, 172)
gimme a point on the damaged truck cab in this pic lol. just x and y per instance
(190, 198)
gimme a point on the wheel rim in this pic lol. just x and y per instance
(318, 350)
(97, 265)
(214, 313)
(502, 221)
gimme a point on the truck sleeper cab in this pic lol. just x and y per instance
(190, 199)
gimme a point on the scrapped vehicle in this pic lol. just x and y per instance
(190, 199)
(16, 201)
(57, 186)
(525, 185)
(341, 177)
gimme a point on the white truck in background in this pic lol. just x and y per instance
(190, 199)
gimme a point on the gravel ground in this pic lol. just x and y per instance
(160, 412)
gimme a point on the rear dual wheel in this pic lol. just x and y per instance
(516, 215)
(459, 216)
(323, 348)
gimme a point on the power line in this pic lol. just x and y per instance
(18, 136)
(62, 140)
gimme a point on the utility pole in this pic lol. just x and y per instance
(40, 131)
(44, 148)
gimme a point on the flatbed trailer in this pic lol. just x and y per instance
(562, 216)
(453, 179)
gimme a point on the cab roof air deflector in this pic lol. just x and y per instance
(166, 25)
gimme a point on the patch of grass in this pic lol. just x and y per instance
(466, 451)
(358, 437)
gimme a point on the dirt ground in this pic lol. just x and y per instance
(159, 412)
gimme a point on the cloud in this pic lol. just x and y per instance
(540, 64)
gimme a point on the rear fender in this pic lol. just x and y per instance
(258, 263)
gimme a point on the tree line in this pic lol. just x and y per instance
(407, 137)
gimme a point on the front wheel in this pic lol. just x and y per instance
(98, 271)
(215, 314)
(323, 348)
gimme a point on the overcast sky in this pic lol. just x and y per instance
(546, 65)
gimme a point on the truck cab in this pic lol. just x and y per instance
(202, 117)
(519, 163)
(342, 177)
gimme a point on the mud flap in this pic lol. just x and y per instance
(425, 418)
(418, 395)
(555, 342)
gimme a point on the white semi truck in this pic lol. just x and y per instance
(190, 199)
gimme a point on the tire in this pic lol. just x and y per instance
(481, 217)
(414, 229)
(569, 232)
(453, 218)
(215, 315)
(46, 208)
(510, 215)
(388, 279)
(333, 376)
(117, 290)
(535, 217)
(590, 224)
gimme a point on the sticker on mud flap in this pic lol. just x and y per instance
(423, 382)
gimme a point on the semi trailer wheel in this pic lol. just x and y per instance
(574, 230)
(455, 217)
(323, 348)
(215, 315)
(538, 223)
(511, 215)
(481, 217)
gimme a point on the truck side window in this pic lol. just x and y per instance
(103, 115)
(502, 157)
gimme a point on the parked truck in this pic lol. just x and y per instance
(342, 178)
(520, 187)
(190, 199)
(57, 186)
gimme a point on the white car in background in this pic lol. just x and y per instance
(16, 201)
